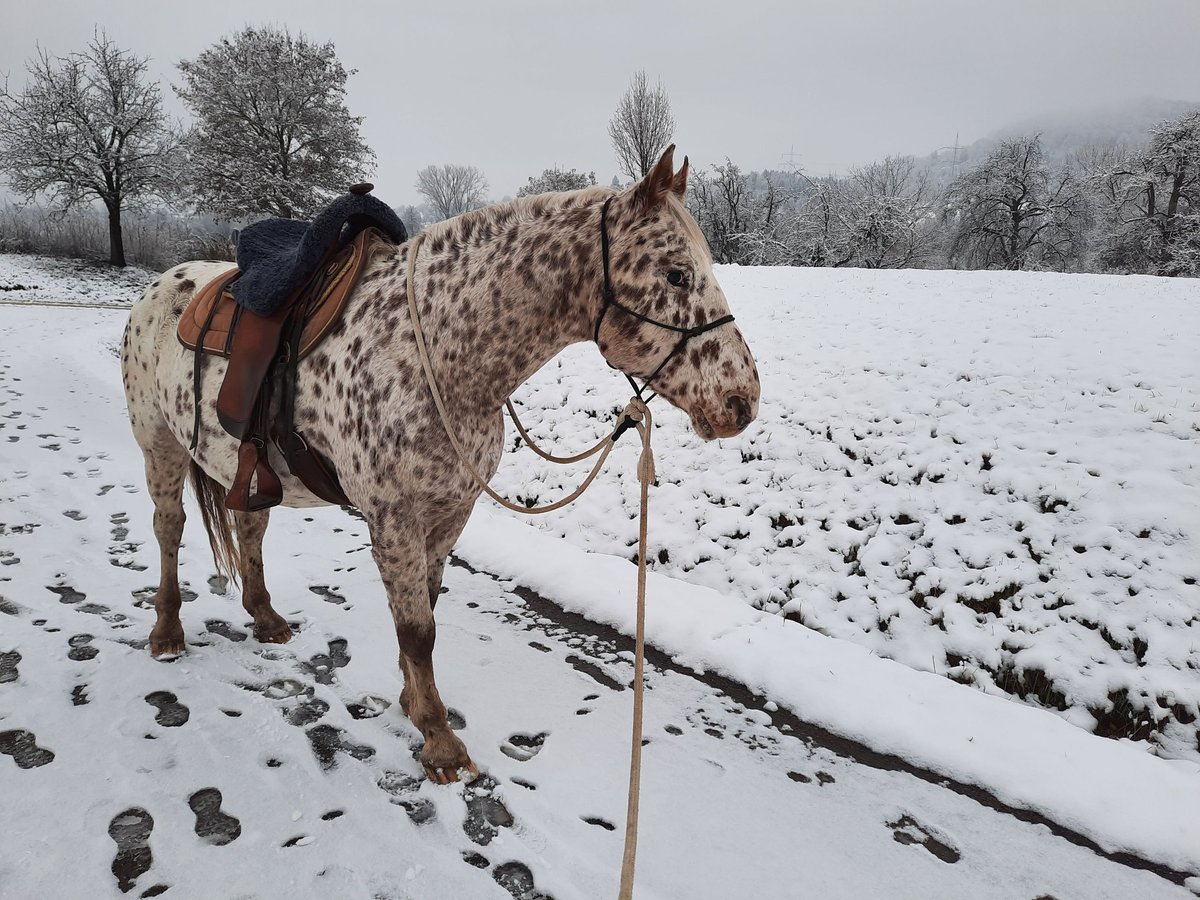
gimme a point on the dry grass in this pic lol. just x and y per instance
(155, 240)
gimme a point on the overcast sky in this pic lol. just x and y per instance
(516, 87)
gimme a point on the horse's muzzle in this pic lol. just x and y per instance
(730, 421)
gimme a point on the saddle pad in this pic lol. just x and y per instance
(345, 268)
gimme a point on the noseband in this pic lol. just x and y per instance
(610, 300)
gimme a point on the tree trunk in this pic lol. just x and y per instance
(116, 241)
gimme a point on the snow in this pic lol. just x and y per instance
(736, 802)
(990, 476)
(44, 279)
(1026, 757)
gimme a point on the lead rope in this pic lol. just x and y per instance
(638, 414)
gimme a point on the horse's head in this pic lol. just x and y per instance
(666, 318)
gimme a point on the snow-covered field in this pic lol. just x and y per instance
(798, 766)
(991, 476)
(45, 279)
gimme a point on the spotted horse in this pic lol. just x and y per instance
(499, 292)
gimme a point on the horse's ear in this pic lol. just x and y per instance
(652, 189)
(679, 182)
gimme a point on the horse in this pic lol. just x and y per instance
(499, 292)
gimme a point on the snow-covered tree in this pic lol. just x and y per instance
(1012, 212)
(641, 127)
(557, 180)
(886, 213)
(89, 127)
(273, 133)
(1150, 202)
(452, 189)
(413, 218)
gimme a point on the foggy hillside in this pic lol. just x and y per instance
(1065, 132)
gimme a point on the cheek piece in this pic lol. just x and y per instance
(610, 300)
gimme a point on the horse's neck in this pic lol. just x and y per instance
(509, 290)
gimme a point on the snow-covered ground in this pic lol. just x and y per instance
(799, 765)
(46, 279)
(991, 476)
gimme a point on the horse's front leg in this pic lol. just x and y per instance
(404, 568)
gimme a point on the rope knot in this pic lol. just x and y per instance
(640, 413)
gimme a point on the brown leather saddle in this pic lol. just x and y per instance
(256, 402)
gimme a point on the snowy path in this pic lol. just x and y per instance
(245, 770)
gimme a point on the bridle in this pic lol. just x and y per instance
(610, 300)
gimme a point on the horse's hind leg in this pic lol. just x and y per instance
(166, 468)
(269, 626)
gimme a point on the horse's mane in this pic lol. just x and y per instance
(497, 214)
(519, 208)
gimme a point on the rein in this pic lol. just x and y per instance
(635, 415)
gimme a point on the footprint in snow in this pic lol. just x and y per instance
(516, 878)
(322, 665)
(326, 593)
(225, 630)
(212, 824)
(523, 747)
(130, 830)
(305, 713)
(8, 666)
(592, 670)
(22, 746)
(371, 706)
(81, 648)
(327, 741)
(66, 593)
(403, 791)
(171, 713)
(486, 813)
(907, 830)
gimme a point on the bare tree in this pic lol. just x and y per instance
(273, 132)
(452, 189)
(720, 201)
(89, 127)
(1012, 212)
(413, 219)
(1149, 201)
(886, 212)
(557, 180)
(641, 127)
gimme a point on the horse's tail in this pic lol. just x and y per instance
(210, 494)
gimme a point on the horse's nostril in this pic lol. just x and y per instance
(740, 407)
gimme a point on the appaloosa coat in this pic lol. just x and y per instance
(500, 292)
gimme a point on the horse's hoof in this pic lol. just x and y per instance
(273, 635)
(444, 756)
(168, 649)
(441, 775)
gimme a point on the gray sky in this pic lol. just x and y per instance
(516, 87)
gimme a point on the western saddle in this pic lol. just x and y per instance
(257, 399)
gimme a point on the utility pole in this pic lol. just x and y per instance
(954, 149)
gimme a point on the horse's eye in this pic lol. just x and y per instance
(675, 277)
